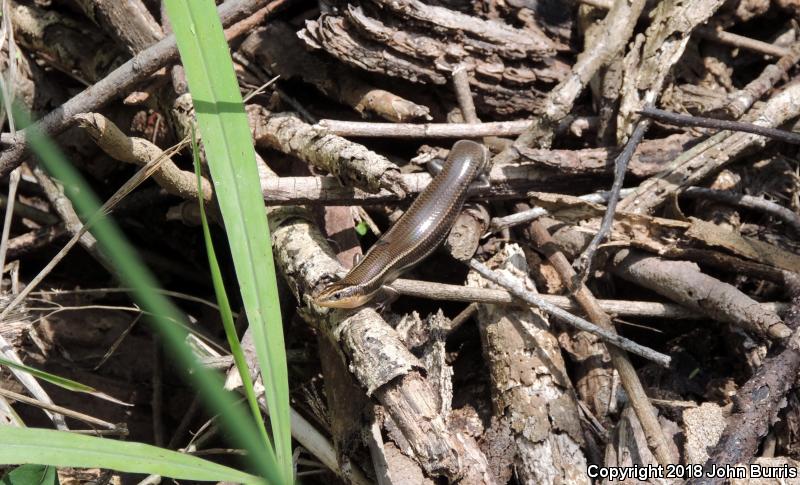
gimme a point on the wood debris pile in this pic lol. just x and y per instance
(625, 293)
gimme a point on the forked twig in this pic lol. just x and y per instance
(583, 263)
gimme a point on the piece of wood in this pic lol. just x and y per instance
(129, 22)
(530, 386)
(691, 167)
(684, 283)
(277, 47)
(119, 81)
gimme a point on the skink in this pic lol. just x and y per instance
(419, 231)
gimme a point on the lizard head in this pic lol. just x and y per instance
(341, 295)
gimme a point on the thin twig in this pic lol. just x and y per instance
(462, 317)
(746, 201)
(61, 410)
(186, 421)
(369, 129)
(623, 308)
(511, 220)
(103, 291)
(423, 130)
(13, 183)
(738, 102)
(464, 95)
(583, 263)
(736, 40)
(515, 288)
(713, 123)
(100, 432)
(259, 89)
(252, 21)
(117, 342)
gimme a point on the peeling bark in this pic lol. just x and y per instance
(278, 47)
(608, 37)
(422, 43)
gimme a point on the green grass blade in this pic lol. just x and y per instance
(225, 309)
(231, 157)
(61, 448)
(59, 381)
(62, 382)
(163, 313)
(31, 475)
